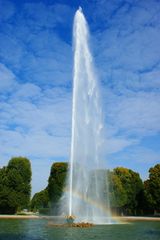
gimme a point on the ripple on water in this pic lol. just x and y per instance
(39, 230)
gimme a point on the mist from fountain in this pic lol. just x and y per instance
(87, 187)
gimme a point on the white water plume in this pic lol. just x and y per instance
(87, 189)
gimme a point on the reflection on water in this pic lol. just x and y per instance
(40, 230)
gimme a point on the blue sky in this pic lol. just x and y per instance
(36, 80)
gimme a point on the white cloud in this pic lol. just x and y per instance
(11, 50)
(136, 52)
(138, 114)
(150, 80)
(35, 122)
(32, 47)
(36, 145)
(7, 78)
(144, 155)
(27, 91)
(117, 144)
(42, 15)
(128, 81)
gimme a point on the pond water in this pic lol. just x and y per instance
(27, 229)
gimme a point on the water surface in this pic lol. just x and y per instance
(34, 229)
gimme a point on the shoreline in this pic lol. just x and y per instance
(9, 216)
(137, 218)
(124, 218)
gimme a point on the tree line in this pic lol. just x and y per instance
(128, 194)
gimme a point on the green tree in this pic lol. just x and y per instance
(133, 186)
(152, 189)
(15, 187)
(40, 200)
(19, 179)
(56, 183)
(7, 196)
(117, 193)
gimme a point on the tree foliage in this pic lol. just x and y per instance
(46, 201)
(125, 187)
(40, 200)
(133, 186)
(117, 193)
(15, 187)
(56, 181)
(152, 188)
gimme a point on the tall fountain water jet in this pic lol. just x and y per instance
(87, 197)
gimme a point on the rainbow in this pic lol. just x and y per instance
(101, 207)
